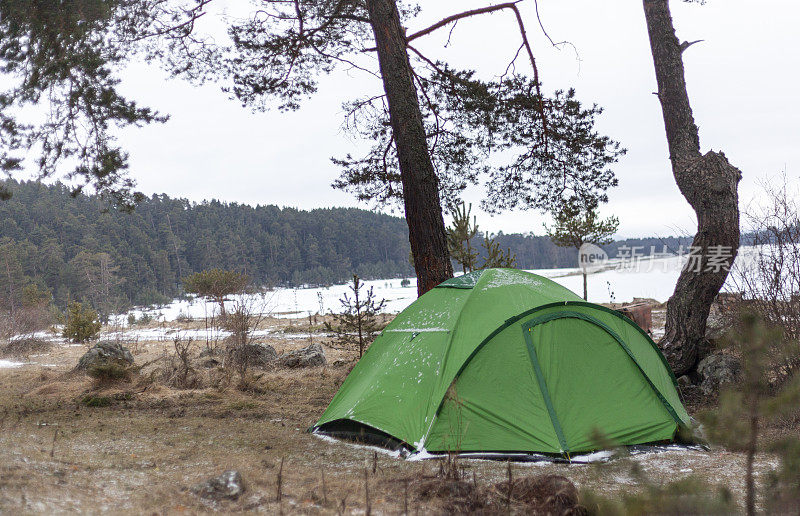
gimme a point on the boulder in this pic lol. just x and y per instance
(227, 486)
(684, 382)
(105, 354)
(309, 356)
(717, 325)
(717, 370)
(255, 355)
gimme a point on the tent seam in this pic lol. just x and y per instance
(562, 440)
(511, 320)
(578, 315)
(445, 355)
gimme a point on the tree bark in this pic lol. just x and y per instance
(426, 230)
(710, 185)
(585, 289)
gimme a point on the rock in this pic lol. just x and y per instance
(310, 356)
(717, 370)
(104, 354)
(684, 382)
(227, 486)
(717, 325)
(255, 355)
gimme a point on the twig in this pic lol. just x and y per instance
(555, 44)
(368, 509)
(509, 487)
(53, 447)
(512, 6)
(687, 44)
(279, 489)
(324, 488)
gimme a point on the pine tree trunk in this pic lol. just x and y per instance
(710, 185)
(423, 208)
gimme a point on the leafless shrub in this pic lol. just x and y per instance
(134, 345)
(25, 321)
(768, 273)
(183, 350)
(25, 347)
(177, 370)
(546, 494)
(247, 314)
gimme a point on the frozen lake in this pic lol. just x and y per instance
(647, 278)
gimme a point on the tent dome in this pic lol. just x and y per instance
(502, 360)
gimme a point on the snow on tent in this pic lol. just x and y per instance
(504, 361)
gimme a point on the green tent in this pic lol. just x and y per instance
(506, 361)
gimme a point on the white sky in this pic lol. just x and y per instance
(742, 83)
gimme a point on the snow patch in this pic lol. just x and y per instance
(504, 277)
(591, 458)
(649, 278)
(415, 330)
(391, 453)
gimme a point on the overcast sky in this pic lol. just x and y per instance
(742, 84)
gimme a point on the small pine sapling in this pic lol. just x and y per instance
(358, 324)
(82, 324)
(496, 257)
(574, 227)
(459, 236)
(745, 409)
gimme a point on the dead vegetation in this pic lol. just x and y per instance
(25, 347)
(138, 445)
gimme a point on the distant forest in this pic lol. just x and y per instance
(76, 249)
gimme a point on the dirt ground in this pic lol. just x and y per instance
(143, 445)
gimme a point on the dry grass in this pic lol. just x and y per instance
(141, 446)
(25, 347)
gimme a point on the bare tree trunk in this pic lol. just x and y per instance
(426, 230)
(585, 289)
(710, 185)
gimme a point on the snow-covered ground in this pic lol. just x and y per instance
(287, 303)
(620, 282)
(646, 278)
(654, 279)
